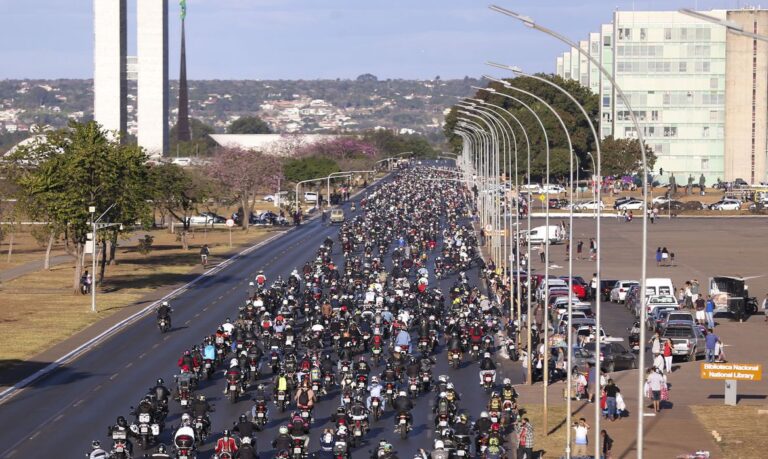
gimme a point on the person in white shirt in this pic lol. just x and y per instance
(580, 438)
(655, 382)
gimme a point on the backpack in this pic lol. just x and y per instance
(303, 397)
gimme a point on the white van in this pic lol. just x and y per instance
(659, 286)
(310, 196)
(539, 234)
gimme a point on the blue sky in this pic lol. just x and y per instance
(309, 39)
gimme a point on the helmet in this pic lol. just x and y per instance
(243, 418)
(185, 418)
(233, 363)
(165, 303)
(186, 352)
(227, 321)
(250, 284)
(487, 355)
(484, 414)
(201, 397)
(283, 430)
(160, 381)
(121, 421)
(245, 440)
(161, 448)
(374, 380)
(443, 394)
(439, 444)
(495, 427)
(397, 349)
(95, 444)
(226, 432)
(463, 417)
(507, 382)
(449, 385)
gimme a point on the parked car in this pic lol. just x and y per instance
(206, 218)
(726, 204)
(310, 196)
(731, 295)
(273, 197)
(580, 287)
(632, 204)
(678, 317)
(557, 203)
(622, 200)
(619, 291)
(552, 189)
(687, 340)
(606, 285)
(656, 319)
(590, 205)
(658, 301)
(214, 217)
(614, 356)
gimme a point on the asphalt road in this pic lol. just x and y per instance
(60, 414)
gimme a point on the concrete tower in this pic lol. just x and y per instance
(152, 51)
(182, 125)
(110, 86)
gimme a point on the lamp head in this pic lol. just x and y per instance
(524, 19)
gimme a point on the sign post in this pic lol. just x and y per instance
(230, 224)
(731, 373)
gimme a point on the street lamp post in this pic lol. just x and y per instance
(95, 226)
(527, 21)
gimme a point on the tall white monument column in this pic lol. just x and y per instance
(152, 53)
(110, 86)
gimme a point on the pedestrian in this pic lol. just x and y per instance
(592, 249)
(580, 438)
(525, 440)
(681, 297)
(607, 444)
(664, 256)
(667, 355)
(711, 340)
(655, 213)
(579, 247)
(701, 314)
(654, 382)
(719, 352)
(542, 253)
(658, 256)
(695, 287)
(655, 344)
(709, 312)
(593, 286)
(524, 361)
(651, 216)
(592, 383)
(611, 391)
(765, 307)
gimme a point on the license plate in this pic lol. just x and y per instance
(358, 433)
(232, 387)
(402, 421)
(425, 379)
(281, 397)
(296, 450)
(144, 429)
(375, 403)
(184, 402)
(443, 423)
(460, 452)
(413, 386)
(207, 365)
(259, 415)
(144, 417)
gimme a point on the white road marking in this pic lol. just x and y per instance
(34, 435)
(58, 418)
(142, 355)
(79, 402)
(129, 365)
(156, 346)
(112, 378)
(97, 388)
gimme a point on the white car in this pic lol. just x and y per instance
(660, 200)
(726, 204)
(552, 189)
(619, 291)
(590, 205)
(272, 197)
(310, 196)
(531, 188)
(661, 301)
(633, 204)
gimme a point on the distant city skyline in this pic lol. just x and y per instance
(317, 39)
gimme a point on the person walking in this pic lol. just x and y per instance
(607, 444)
(655, 343)
(664, 256)
(658, 256)
(701, 314)
(579, 247)
(667, 355)
(525, 440)
(654, 381)
(709, 312)
(580, 438)
(711, 339)
(611, 391)
(592, 249)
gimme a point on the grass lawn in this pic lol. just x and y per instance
(744, 432)
(39, 309)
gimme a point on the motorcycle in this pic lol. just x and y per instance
(145, 430)
(389, 392)
(261, 417)
(164, 324)
(298, 448)
(403, 425)
(233, 388)
(282, 400)
(454, 358)
(185, 447)
(119, 445)
(487, 380)
(413, 387)
(376, 408)
(462, 446)
(358, 430)
(253, 366)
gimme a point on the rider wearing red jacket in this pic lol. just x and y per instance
(226, 444)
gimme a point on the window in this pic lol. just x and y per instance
(713, 83)
(713, 115)
(667, 98)
(567, 75)
(702, 34)
(654, 115)
(705, 164)
(683, 34)
(670, 131)
(667, 33)
(606, 101)
(643, 34)
(595, 47)
(682, 67)
(625, 34)
(705, 131)
(607, 40)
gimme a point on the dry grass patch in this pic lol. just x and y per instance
(744, 432)
(553, 444)
(39, 309)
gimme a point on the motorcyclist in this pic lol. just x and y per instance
(299, 428)
(244, 427)
(161, 394)
(374, 391)
(200, 409)
(97, 452)
(226, 444)
(247, 449)
(508, 392)
(233, 373)
(359, 412)
(487, 366)
(402, 405)
(439, 452)
(361, 367)
(482, 427)
(280, 384)
(161, 453)
(283, 441)
(121, 429)
(403, 340)
(164, 312)
(305, 397)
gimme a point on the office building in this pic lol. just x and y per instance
(109, 64)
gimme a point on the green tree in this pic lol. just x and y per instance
(201, 142)
(578, 128)
(74, 168)
(249, 125)
(299, 169)
(622, 157)
(177, 192)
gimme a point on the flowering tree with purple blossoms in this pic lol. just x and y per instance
(338, 148)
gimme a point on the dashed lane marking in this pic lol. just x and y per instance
(197, 315)
(155, 346)
(79, 402)
(112, 378)
(34, 435)
(143, 355)
(129, 365)
(188, 322)
(58, 418)
(12, 453)
(97, 388)
(168, 337)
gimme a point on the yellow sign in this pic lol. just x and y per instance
(542, 197)
(498, 233)
(735, 371)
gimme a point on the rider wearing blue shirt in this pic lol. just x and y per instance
(403, 340)
(209, 352)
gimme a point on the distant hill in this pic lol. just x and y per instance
(287, 105)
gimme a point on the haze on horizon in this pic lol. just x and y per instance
(317, 39)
